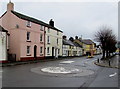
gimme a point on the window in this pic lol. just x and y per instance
(57, 40)
(57, 33)
(28, 49)
(48, 30)
(48, 49)
(28, 35)
(41, 48)
(41, 27)
(41, 36)
(28, 24)
(48, 40)
(58, 51)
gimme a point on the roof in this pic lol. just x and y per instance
(2, 29)
(3, 14)
(87, 41)
(68, 42)
(78, 45)
(21, 16)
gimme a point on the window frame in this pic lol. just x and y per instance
(48, 30)
(28, 36)
(57, 32)
(48, 39)
(48, 50)
(42, 27)
(28, 24)
(57, 41)
(28, 50)
(41, 50)
(41, 37)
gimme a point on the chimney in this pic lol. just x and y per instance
(10, 6)
(64, 37)
(51, 23)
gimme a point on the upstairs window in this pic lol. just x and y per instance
(48, 39)
(28, 24)
(57, 32)
(41, 27)
(48, 30)
(57, 41)
(28, 35)
(41, 37)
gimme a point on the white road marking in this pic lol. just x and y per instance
(112, 75)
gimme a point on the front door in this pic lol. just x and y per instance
(35, 51)
(52, 51)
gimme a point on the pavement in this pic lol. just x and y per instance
(31, 61)
(110, 63)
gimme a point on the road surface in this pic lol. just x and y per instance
(89, 75)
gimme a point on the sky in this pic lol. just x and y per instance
(73, 17)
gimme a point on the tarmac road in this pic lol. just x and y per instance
(22, 76)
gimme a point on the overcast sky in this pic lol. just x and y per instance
(73, 18)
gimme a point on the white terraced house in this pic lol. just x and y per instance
(53, 44)
(3, 44)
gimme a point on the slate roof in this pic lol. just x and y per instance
(21, 16)
(78, 45)
(87, 41)
(2, 29)
(68, 42)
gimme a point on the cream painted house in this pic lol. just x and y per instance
(53, 44)
(71, 48)
(3, 44)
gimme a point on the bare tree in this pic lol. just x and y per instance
(107, 40)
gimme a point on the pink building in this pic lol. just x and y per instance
(27, 35)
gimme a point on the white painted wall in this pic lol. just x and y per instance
(53, 42)
(3, 45)
(65, 50)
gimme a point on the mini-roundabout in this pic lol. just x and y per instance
(62, 71)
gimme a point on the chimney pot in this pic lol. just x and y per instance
(51, 23)
(10, 6)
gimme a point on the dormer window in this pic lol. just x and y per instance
(28, 24)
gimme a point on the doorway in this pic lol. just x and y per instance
(35, 51)
(52, 51)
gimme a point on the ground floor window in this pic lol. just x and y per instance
(58, 51)
(28, 49)
(41, 49)
(48, 49)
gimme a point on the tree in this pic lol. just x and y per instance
(107, 40)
